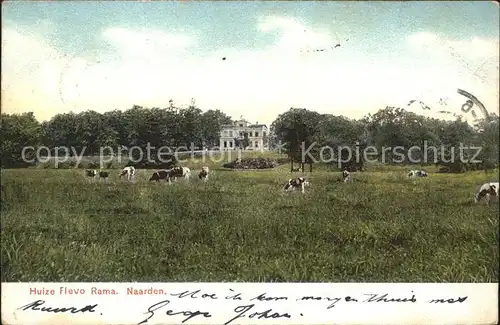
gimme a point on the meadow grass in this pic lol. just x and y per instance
(240, 226)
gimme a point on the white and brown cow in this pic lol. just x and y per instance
(178, 171)
(203, 175)
(488, 191)
(129, 172)
(295, 184)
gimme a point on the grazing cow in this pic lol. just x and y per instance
(346, 176)
(159, 175)
(129, 171)
(487, 191)
(103, 175)
(203, 175)
(417, 173)
(179, 172)
(91, 173)
(296, 183)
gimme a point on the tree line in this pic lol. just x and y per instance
(176, 127)
(391, 127)
(89, 131)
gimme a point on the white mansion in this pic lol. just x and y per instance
(258, 135)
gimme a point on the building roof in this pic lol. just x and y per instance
(257, 125)
(248, 126)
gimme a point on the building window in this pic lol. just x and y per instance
(231, 134)
(256, 144)
(250, 134)
(225, 133)
(241, 125)
(264, 133)
(225, 144)
(230, 144)
(256, 134)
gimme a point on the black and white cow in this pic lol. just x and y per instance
(488, 191)
(129, 172)
(90, 173)
(203, 175)
(417, 173)
(295, 184)
(346, 176)
(93, 173)
(103, 175)
(178, 171)
(160, 175)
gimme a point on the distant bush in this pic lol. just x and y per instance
(251, 163)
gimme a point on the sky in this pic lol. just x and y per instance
(343, 58)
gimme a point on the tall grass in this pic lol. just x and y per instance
(240, 226)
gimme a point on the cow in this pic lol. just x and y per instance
(129, 171)
(346, 176)
(488, 191)
(295, 184)
(91, 173)
(203, 175)
(160, 175)
(103, 175)
(417, 173)
(179, 172)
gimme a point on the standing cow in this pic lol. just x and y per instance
(346, 176)
(160, 175)
(295, 184)
(129, 172)
(178, 171)
(203, 175)
(93, 173)
(103, 175)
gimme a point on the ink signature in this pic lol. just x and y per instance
(187, 313)
(74, 310)
(242, 312)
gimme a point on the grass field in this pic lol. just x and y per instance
(240, 226)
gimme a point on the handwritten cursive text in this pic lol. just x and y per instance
(36, 306)
(241, 310)
(374, 297)
(187, 313)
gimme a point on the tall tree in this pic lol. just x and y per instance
(18, 131)
(298, 130)
(212, 122)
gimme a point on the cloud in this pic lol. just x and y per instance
(146, 42)
(154, 66)
(472, 63)
(423, 39)
(295, 35)
(30, 73)
(473, 51)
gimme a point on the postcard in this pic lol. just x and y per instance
(250, 162)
